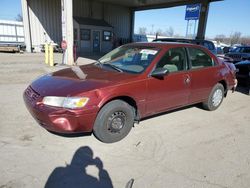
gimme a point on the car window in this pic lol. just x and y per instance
(246, 50)
(174, 60)
(199, 58)
(208, 45)
(130, 58)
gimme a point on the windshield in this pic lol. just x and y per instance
(131, 59)
(242, 49)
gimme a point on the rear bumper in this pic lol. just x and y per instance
(62, 120)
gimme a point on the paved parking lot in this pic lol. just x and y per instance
(185, 148)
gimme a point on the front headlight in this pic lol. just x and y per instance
(66, 102)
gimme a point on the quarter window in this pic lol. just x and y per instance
(174, 60)
(199, 58)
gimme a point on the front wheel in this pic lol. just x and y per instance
(114, 121)
(215, 98)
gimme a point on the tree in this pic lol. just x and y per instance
(220, 38)
(170, 32)
(245, 40)
(19, 18)
(142, 30)
(159, 32)
(235, 38)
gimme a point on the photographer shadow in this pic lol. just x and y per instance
(75, 175)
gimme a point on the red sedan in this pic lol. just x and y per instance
(129, 83)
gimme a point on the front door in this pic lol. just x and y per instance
(172, 90)
(96, 41)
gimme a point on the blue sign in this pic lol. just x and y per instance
(193, 12)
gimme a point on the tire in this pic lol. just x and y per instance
(114, 121)
(215, 98)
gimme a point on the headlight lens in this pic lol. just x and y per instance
(66, 102)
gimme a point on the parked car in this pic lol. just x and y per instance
(243, 72)
(131, 82)
(206, 43)
(239, 53)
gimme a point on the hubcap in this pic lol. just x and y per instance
(217, 97)
(116, 122)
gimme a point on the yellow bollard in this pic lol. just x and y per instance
(46, 53)
(51, 55)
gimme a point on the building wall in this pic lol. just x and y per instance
(45, 18)
(117, 16)
(11, 32)
(45, 21)
(87, 46)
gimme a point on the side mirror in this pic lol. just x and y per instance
(159, 72)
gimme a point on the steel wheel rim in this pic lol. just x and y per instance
(116, 122)
(217, 97)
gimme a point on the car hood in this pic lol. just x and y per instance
(77, 80)
(238, 53)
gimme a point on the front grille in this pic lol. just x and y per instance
(31, 94)
(234, 56)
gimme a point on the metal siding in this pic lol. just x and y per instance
(45, 17)
(119, 18)
(11, 31)
(81, 8)
(115, 15)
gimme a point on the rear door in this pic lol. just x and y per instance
(172, 90)
(203, 74)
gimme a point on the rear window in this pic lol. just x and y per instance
(209, 45)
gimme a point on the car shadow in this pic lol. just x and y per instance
(71, 135)
(172, 111)
(75, 174)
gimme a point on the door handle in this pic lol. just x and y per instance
(187, 80)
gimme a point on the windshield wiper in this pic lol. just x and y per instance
(113, 67)
(98, 63)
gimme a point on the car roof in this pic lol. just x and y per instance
(166, 44)
(243, 46)
(182, 39)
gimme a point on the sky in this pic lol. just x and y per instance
(225, 17)
(9, 9)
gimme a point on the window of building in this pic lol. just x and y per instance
(106, 35)
(85, 34)
(199, 58)
(174, 60)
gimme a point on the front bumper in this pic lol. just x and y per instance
(61, 120)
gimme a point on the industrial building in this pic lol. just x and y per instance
(92, 25)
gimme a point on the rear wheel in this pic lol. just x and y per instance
(114, 121)
(215, 98)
